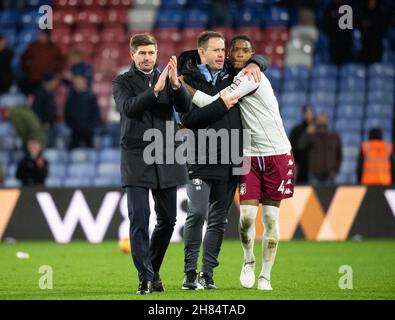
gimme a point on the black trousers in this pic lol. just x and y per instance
(148, 255)
(84, 137)
(209, 200)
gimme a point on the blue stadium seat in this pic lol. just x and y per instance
(195, 18)
(108, 169)
(381, 70)
(8, 142)
(350, 153)
(381, 97)
(353, 69)
(277, 17)
(10, 170)
(4, 157)
(274, 74)
(173, 4)
(78, 182)
(350, 83)
(53, 182)
(56, 156)
(382, 84)
(350, 111)
(81, 170)
(291, 111)
(83, 155)
(294, 85)
(296, 73)
(351, 97)
(9, 18)
(248, 17)
(12, 183)
(106, 182)
(169, 18)
(7, 129)
(324, 71)
(348, 125)
(322, 98)
(378, 110)
(110, 155)
(323, 84)
(57, 170)
(294, 98)
(17, 155)
(378, 122)
(26, 36)
(29, 19)
(350, 138)
(290, 123)
(10, 35)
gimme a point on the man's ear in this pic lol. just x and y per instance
(131, 54)
(201, 52)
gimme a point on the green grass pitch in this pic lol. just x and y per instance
(303, 270)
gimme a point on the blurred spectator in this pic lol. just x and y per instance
(324, 150)
(376, 160)
(40, 57)
(301, 155)
(5, 65)
(78, 67)
(340, 41)
(26, 123)
(44, 106)
(82, 113)
(33, 168)
(373, 23)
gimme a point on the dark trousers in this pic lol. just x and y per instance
(78, 137)
(208, 200)
(148, 256)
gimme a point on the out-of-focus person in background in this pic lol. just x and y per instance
(82, 114)
(5, 65)
(33, 168)
(324, 151)
(44, 106)
(26, 124)
(340, 41)
(40, 57)
(301, 155)
(372, 21)
(376, 160)
(78, 66)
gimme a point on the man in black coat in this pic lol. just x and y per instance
(5, 65)
(147, 99)
(82, 113)
(212, 186)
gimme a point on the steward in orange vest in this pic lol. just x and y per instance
(376, 168)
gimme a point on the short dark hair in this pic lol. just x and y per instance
(375, 134)
(142, 39)
(242, 37)
(205, 36)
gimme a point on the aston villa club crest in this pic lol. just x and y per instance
(243, 189)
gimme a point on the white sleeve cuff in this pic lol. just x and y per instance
(202, 99)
